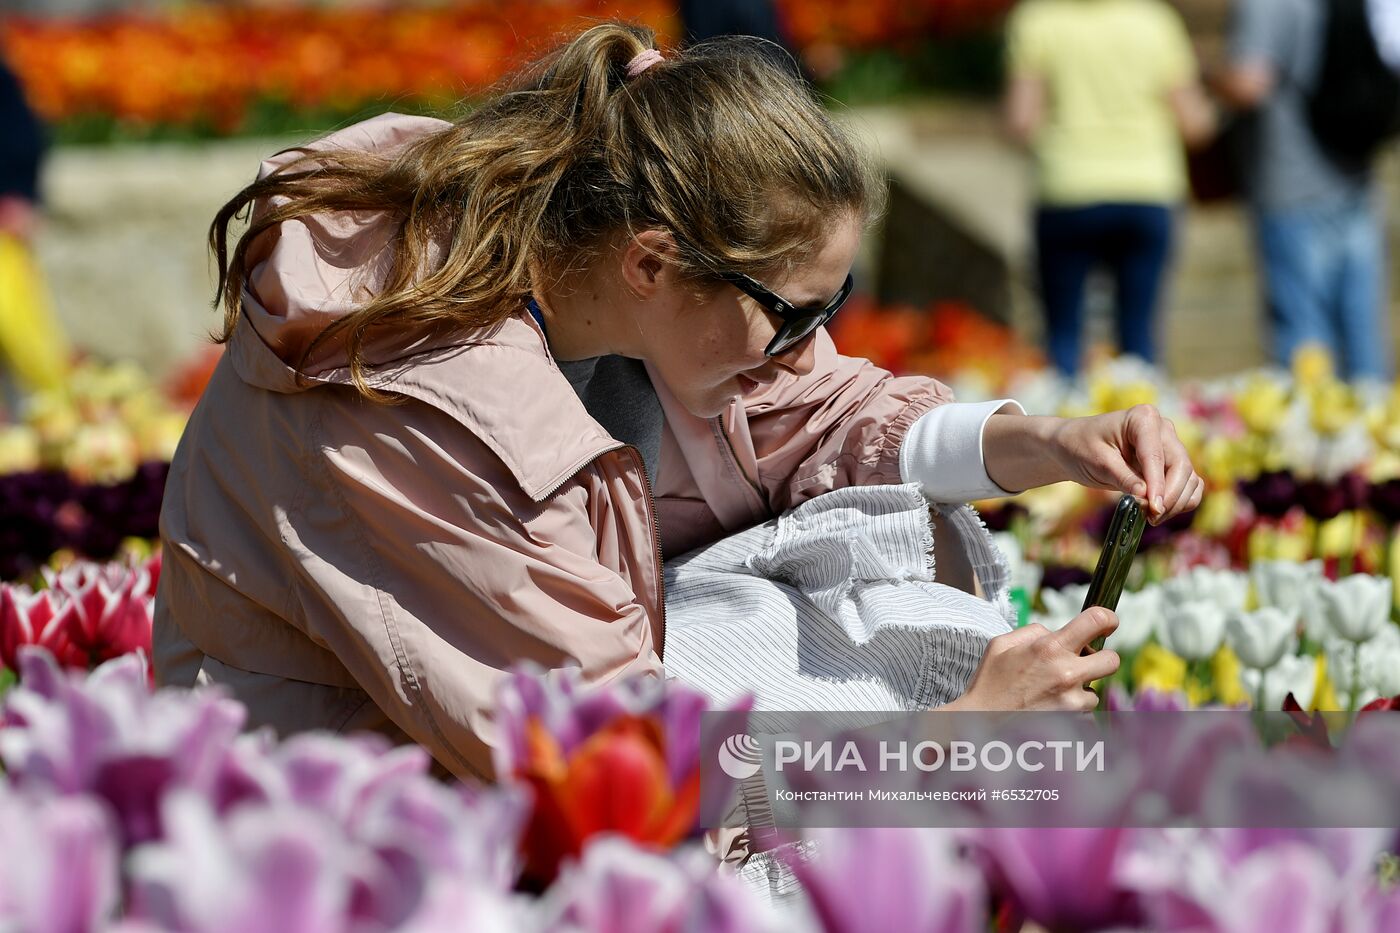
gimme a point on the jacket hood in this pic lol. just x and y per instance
(305, 274)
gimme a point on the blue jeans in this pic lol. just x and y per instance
(1324, 282)
(1133, 241)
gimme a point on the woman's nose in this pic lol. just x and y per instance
(801, 359)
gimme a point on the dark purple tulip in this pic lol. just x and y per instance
(999, 518)
(29, 526)
(1323, 500)
(1356, 490)
(1272, 494)
(1059, 576)
(1384, 498)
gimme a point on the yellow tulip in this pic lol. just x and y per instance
(1312, 363)
(1384, 424)
(1385, 465)
(1267, 542)
(1262, 405)
(1333, 407)
(1324, 697)
(101, 453)
(1134, 393)
(1340, 535)
(1157, 668)
(1197, 694)
(1393, 566)
(157, 435)
(19, 449)
(1220, 461)
(1217, 513)
(1225, 678)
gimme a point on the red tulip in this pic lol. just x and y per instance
(620, 758)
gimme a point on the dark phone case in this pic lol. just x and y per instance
(1119, 547)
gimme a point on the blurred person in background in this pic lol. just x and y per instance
(33, 352)
(1317, 99)
(1104, 92)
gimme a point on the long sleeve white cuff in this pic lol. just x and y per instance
(943, 451)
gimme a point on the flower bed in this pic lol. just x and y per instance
(151, 810)
(221, 69)
(82, 468)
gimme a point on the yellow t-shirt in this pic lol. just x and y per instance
(1108, 66)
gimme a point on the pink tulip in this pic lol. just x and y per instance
(892, 879)
(88, 613)
(58, 864)
(617, 887)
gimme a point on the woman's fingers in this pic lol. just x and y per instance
(1145, 437)
(1085, 627)
(1179, 471)
(1097, 664)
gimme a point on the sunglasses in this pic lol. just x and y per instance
(798, 323)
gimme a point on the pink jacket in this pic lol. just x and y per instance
(345, 565)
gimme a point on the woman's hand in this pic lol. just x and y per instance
(1134, 451)
(1034, 668)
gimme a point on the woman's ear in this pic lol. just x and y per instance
(648, 262)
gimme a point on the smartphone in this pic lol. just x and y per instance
(1119, 547)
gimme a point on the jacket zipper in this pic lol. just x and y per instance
(655, 542)
(727, 452)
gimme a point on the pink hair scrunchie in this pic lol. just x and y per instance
(642, 62)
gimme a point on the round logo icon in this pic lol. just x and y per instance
(740, 757)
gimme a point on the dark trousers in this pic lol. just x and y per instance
(1133, 241)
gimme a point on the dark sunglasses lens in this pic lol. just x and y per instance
(794, 332)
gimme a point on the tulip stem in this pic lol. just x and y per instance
(1259, 694)
(1355, 690)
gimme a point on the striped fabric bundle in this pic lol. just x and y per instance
(835, 606)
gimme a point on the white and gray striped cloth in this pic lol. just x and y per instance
(835, 606)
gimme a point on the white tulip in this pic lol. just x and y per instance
(1192, 630)
(1021, 572)
(1344, 451)
(1381, 663)
(1138, 616)
(1227, 589)
(1357, 606)
(1296, 674)
(1286, 584)
(1053, 623)
(1262, 637)
(1350, 667)
(1063, 605)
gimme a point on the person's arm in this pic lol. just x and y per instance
(1244, 85)
(1024, 101)
(1023, 108)
(1258, 47)
(1134, 451)
(1195, 117)
(428, 572)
